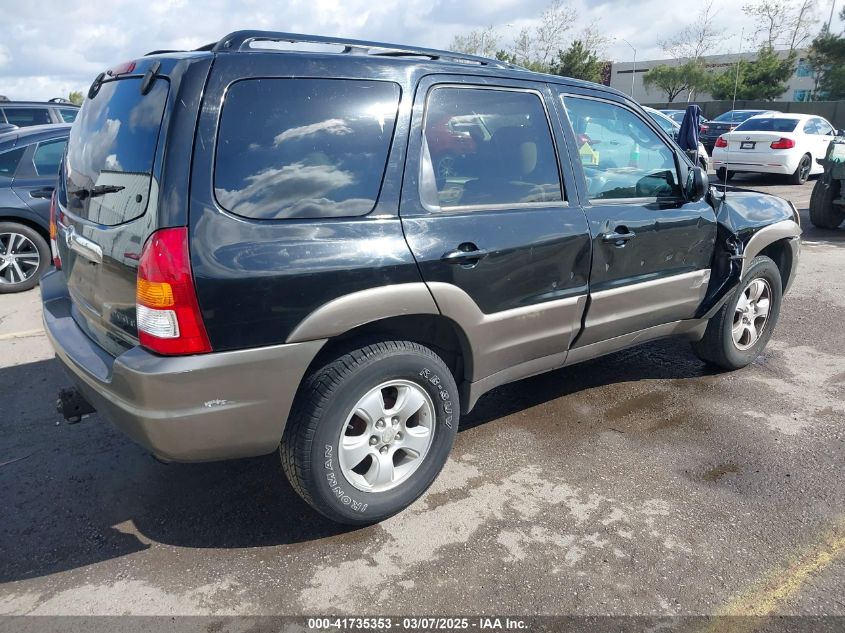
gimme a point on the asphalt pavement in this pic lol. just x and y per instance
(642, 483)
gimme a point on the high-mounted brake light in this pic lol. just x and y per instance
(168, 315)
(783, 143)
(721, 142)
(54, 233)
(121, 69)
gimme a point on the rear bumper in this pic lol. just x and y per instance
(189, 408)
(764, 164)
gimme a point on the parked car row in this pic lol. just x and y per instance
(29, 163)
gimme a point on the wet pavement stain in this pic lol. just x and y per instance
(717, 472)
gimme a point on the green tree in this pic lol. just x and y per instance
(762, 79)
(689, 77)
(827, 56)
(578, 62)
(75, 97)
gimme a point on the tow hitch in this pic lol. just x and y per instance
(73, 406)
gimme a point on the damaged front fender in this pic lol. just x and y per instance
(747, 223)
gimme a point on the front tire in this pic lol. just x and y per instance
(823, 213)
(370, 431)
(739, 331)
(24, 257)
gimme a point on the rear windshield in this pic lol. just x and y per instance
(304, 148)
(111, 151)
(768, 125)
(736, 116)
(24, 117)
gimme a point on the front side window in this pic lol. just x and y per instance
(823, 127)
(488, 147)
(24, 117)
(304, 148)
(621, 154)
(48, 156)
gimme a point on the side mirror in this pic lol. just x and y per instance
(840, 132)
(697, 184)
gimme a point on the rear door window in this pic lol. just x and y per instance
(68, 114)
(48, 157)
(111, 151)
(304, 148)
(489, 147)
(9, 161)
(24, 117)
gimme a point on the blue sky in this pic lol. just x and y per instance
(50, 47)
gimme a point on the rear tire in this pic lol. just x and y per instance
(823, 213)
(723, 174)
(802, 172)
(28, 257)
(343, 450)
(737, 334)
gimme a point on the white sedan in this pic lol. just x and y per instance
(776, 143)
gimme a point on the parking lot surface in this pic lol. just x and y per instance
(640, 483)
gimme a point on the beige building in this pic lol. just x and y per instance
(800, 85)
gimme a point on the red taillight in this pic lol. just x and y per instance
(721, 142)
(168, 315)
(54, 234)
(783, 143)
(703, 128)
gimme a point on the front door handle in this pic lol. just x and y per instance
(467, 253)
(46, 192)
(618, 238)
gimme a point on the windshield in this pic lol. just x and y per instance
(736, 116)
(111, 151)
(768, 125)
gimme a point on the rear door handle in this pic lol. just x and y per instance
(467, 253)
(618, 238)
(46, 192)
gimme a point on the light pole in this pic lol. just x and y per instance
(633, 65)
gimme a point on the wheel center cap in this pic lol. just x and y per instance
(388, 435)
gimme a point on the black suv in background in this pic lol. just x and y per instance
(26, 113)
(256, 252)
(727, 122)
(29, 163)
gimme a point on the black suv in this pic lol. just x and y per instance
(26, 113)
(257, 252)
(29, 163)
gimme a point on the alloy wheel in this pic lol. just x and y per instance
(387, 436)
(752, 313)
(19, 258)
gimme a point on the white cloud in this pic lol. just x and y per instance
(39, 61)
(334, 127)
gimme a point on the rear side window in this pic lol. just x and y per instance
(9, 161)
(68, 114)
(304, 148)
(24, 117)
(488, 148)
(48, 156)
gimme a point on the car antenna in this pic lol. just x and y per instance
(733, 114)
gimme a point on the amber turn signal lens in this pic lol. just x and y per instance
(154, 294)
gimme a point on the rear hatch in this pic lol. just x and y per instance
(742, 142)
(107, 201)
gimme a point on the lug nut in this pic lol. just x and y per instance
(398, 436)
(379, 424)
(373, 440)
(383, 450)
(395, 421)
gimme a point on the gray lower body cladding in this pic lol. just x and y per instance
(188, 408)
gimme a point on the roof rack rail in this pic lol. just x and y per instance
(240, 40)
